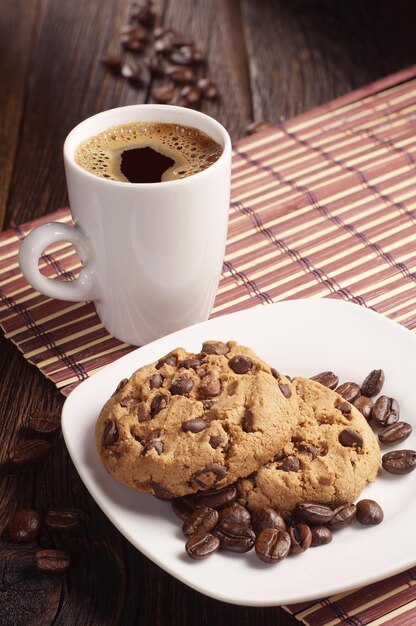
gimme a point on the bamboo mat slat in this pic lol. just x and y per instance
(322, 205)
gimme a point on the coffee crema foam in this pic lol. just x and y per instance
(191, 149)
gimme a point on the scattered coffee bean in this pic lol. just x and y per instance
(327, 379)
(181, 386)
(164, 93)
(202, 520)
(215, 347)
(235, 537)
(183, 56)
(285, 389)
(208, 88)
(44, 422)
(373, 383)
(142, 13)
(365, 405)
(210, 386)
(195, 425)
(350, 438)
(235, 514)
(155, 381)
(313, 512)
(256, 127)
(181, 74)
(131, 43)
(321, 535)
(240, 364)
(24, 526)
(369, 512)
(399, 461)
(300, 538)
(28, 452)
(209, 476)
(192, 95)
(159, 403)
(156, 65)
(112, 63)
(273, 545)
(385, 411)
(343, 515)
(169, 359)
(290, 464)
(64, 520)
(183, 507)
(217, 498)
(266, 518)
(349, 391)
(202, 545)
(52, 561)
(395, 433)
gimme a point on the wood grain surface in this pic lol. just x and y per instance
(270, 58)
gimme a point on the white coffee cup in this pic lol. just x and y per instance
(152, 252)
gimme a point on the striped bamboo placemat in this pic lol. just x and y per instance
(322, 205)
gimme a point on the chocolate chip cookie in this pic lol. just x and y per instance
(333, 454)
(192, 422)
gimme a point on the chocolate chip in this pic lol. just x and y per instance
(156, 445)
(155, 381)
(275, 373)
(373, 383)
(309, 449)
(208, 404)
(215, 347)
(181, 386)
(142, 412)
(327, 379)
(159, 403)
(248, 421)
(349, 391)
(210, 386)
(285, 389)
(344, 407)
(209, 476)
(195, 425)
(350, 438)
(240, 364)
(170, 359)
(290, 464)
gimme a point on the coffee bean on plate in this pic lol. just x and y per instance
(28, 452)
(183, 507)
(63, 520)
(235, 537)
(266, 518)
(52, 561)
(235, 514)
(321, 535)
(327, 379)
(349, 391)
(350, 438)
(313, 512)
(24, 526)
(216, 499)
(399, 461)
(385, 411)
(395, 433)
(300, 538)
(202, 520)
(373, 383)
(364, 404)
(369, 512)
(202, 545)
(44, 422)
(343, 515)
(273, 545)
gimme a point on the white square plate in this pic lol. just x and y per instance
(298, 337)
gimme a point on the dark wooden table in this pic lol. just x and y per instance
(270, 58)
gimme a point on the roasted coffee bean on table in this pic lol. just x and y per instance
(202, 545)
(266, 518)
(272, 545)
(343, 515)
(44, 422)
(373, 383)
(300, 538)
(63, 520)
(52, 561)
(349, 391)
(202, 520)
(365, 405)
(369, 512)
(24, 526)
(385, 411)
(395, 433)
(327, 379)
(29, 451)
(321, 535)
(399, 461)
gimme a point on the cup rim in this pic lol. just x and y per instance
(70, 160)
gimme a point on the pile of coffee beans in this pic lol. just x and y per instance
(150, 51)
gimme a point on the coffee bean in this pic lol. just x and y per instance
(365, 405)
(313, 512)
(343, 515)
(191, 94)
(300, 538)
(266, 518)
(142, 13)
(256, 127)
(28, 452)
(190, 364)
(350, 438)
(285, 389)
(155, 444)
(210, 386)
(395, 433)
(112, 63)
(155, 381)
(273, 545)
(131, 43)
(373, 383)
(216, 441)
(182, 74)
(52, 561)
(210, 475)
(156, 65)
(327, 379)
(159, 403)
(195, 425)
(169, 359)
(321, 535)
(217, 499)
(208, 88)
(183, 56)
(202, 545)
(344, 407)
(202, 520)
(44, 422)
(235, 514)
(385, 411)
(399, 461)
(240, 364)
(197, 56)
(215, 347)
(349, 391)
(133, 73)
(235, 537)
(290, 464)
(247, 421)
(160, 492)
(183, 507)
(24, 526)
(369, 512)
(181, 386)
(64, 520)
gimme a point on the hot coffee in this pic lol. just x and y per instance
(147, 152)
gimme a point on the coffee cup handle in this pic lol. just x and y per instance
(31, 249)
